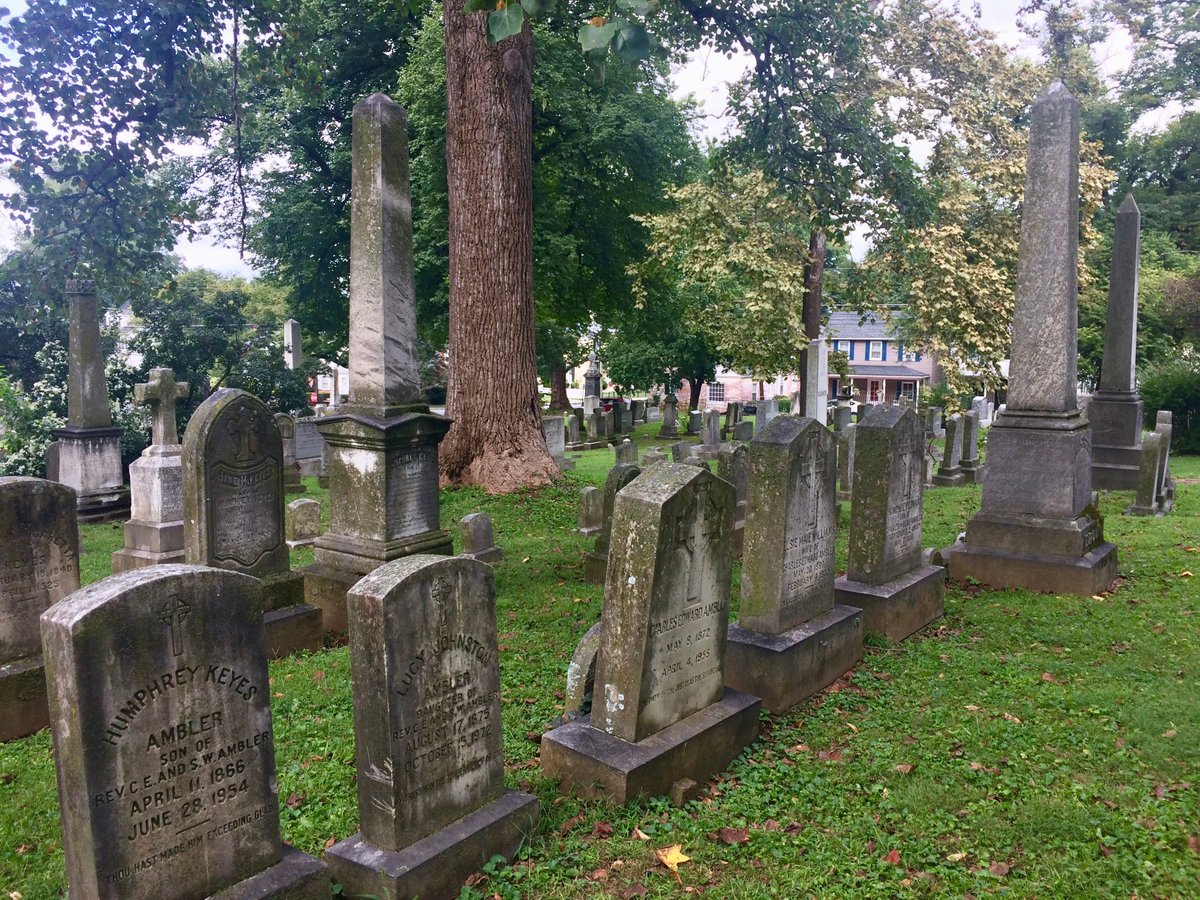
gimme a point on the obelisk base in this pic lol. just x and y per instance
(1116, 419)
(297, 876)
(149, 544)
(89, 460)
(595, 764)
(435, 867)
(902, 606)
(786, 669)
(383, 490)
(23, 708)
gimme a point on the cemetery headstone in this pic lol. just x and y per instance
(670, 419)
(429, 750)
(382, 462)
(610, 424)
(479, 538)
(165, 762)
(293, 356)
(573, 440)
(302, 522)
(39, 558)
(662, 719)
(817, 375)
(845, 462)
(309, 447)
(1037, 526)
(1116, 407)
(681, 451)
(842, 416)
(626, 452)
(1166, 484)
(950, 472)
(291, 470)
(233, 510)
(694, 421)
(1164, 423)
(591, 382)
(791, 639)
(767, 410)
(594, 427)
(712, 433)
(733, 464)
(595, 561)
(637, 411)
(154, 533)
(971, 466)
(933, 422)
(581, 675)
(1147, 495)
(653, 456)
(552, 428)
(796, 407)
(885, 576)
(743, 431)
(89, 446)
(733, 415)
(863, 409)
(591, 511)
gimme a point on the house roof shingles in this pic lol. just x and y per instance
(886, 372)
(845, 326)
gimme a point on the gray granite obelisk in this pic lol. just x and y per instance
(383, 444)
(89, 447)
(154, 533)
(1116, 409)
(1038, 527)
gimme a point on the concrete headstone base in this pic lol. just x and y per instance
(149, 544)
(297, 876)
(1115, 468)
(1082, 575)
(23, 708)
(788, 668)
(325, 588)
(291, 624)
(955, 477)
(972, 474)
(595, 764)
(436, 866)
(491, 555)
(133, 558)
(89, 460)
(899, 608)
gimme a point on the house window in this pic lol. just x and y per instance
(907, 355)
(716, 391)
(876, 350)
(908, 389)
(874, 390)
(837, 346)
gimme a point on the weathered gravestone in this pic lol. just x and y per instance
(1147, 497)
(863, 409)
(885, 577)
(1116, 407)
(796, 404)
(637, 411)
(733, 464)
(479, 538)
(845, 462)
(842, 415)
(291, 470)
(595, 561)
(626, 452)
(39, 565)
(791, 640)
(933, 422)
(767, 410)
(1037, 526)
(950, 473)
(681, 451)
(711, 438)
(161, 717)
(595, 428)
(154, 533)
(670, 419)
(970, 463)
(552, 429)
(293, 353)
(383, 444)
(695, 420)
(432, 807)
(233, 510)
(611, 431)
(733, 415)
(662, 720)
(591, 511)
(652, 456)
(743, 431)
(816, 378)
(88, 448)
(1166, 484)
(310, 446)
(573, 440)
(302, 522)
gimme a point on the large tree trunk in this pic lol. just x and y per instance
(814, 273)
(694, 396)
(492, 394)
(559, 401)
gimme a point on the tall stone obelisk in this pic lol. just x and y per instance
(1116, 409)
(1037, 526)
(89, 447)
(383, 444)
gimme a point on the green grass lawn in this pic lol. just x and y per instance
(1025, 744)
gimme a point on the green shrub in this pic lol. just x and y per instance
(1175, 386)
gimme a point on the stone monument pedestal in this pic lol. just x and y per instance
(955, 477)
(384, 472)
(297, 876)
(156, 486)
(435, 866)
(595, 764)
(291, 624)
(972, 472)
(1116, 418)
(89, 460)
(788, 668)
(1033, 530)
(900, 607)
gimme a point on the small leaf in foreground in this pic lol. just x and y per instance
(892, 857)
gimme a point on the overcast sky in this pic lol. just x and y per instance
(706, 77)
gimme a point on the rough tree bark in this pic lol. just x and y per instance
(492, 396)
(694, 395)
(814, 273)
(559, 401)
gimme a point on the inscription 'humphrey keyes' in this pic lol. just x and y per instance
(170, 754)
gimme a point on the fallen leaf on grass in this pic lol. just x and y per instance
(639, 835)
(330, 842)
(526, 559)
(1048, 676)
(1170, 733)
(634, 890)
(794, 828)
(1194, 843)
(771, 825)
(24, 848)
(598, 875)
(830, 755)
(999, 869)
(904, 768)
(1185, 574)
(1106, 851)
(892, 857)
(1011, 718)
(294, 800)
(733, 835)
(568, 826)
(672, 857)
(1160, 790)
(476, 878)
(602, 830)
(956, 857)
(971, 707)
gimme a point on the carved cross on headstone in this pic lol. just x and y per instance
(174, 613)
(813, 473)
(160, 395)
(440, 593)
(909, 452)
(244, 426)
